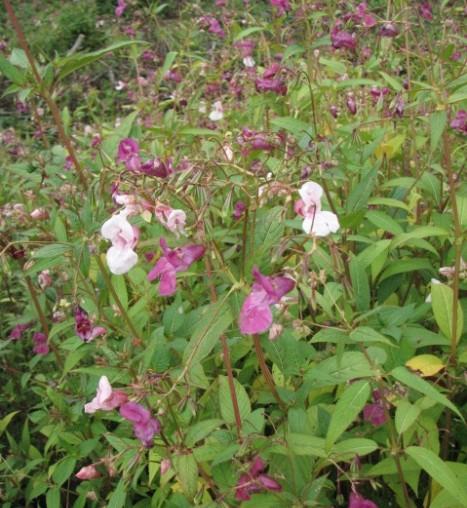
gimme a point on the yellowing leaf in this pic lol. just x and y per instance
(427, 365)
(390, 147)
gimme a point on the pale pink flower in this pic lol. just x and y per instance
(217, 112)
(316, 221)
(256, 314)
(44, 279)
(165, 465)
(87, 473)
(106, 399)
(120, 257)
(39, 214)
(173, 219)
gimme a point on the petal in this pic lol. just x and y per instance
(168, 284)
(311, 193)
(121, 260)
(135, 413)
(254, 318)
(191, 253)
(324, 224)
(104, 389)
(116, 225)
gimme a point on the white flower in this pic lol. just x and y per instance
(217, 112)
(120, 257)
(249, 61)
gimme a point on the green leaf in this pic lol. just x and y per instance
(4, 422)
(216, 318)
(439, 471)
(248, 31)
(12, 72)
(358, 197)
(198, 431)
(293, 125)
(368, 255)
(348, 449)
(419, 232)
(392, 82)
(383, 221)
(349, 405)
(118, 496)
(168, 62)
(198, 131)
(225, 400)
(406, 414)
(438, 121)
(368, 335)
(63, 470)
(52, 250)
(406, 266)
(333, 65)
(442, 299)
(187, 472)
(119, 285)
(422, 386)
(70, 64)
(303, 444)
(360, 285)
(52, 498)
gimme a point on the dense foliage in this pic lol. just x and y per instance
(231, 238)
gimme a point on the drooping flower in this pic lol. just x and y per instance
(84, 328)
(425, 11)
(106, 398)
(255, 481)
(41, 347)
(460, 122)
(270, 81)
(128, 153)
(389, 30)
(351, 104)
(256, 314)
(44, 279)
(239, 210)
(120, 9)
(212, 25)
(246, 47)
(88, 473)
(217, 112)
(374, 412)
(173, 75)
(357, 501)
(173, 261)
(173, 219)
(342, 39)
(39, 214)
(120, 257)
(145, 427)
(18, 330)
(364, 17)
(281, 6)
(316, 221)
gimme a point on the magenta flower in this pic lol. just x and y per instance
(342, 39)
(256, 314)
(361, 14)
(374, 413)
(173, 261)
(246, 47)
(351, 104)
(128, 153)
(425, 11)
(239, 210)
(41, 346)
(173, 75)
(120, 9)
(84, 328)
(281, 6)
(145, 427)
(270, 82)
(255, 481)
(460, 122)
(389, 30)
(357, 501)
(212, 25)
(106, 398)
(18, 330)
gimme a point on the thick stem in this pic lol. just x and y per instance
(45, 94)
(265, 371)
(120, 306)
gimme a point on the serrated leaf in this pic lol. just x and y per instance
(442, 300)
(225, 400)
(63, 470)
(348, 449)
(187, 472)
(406, 414)
(360, 285)
(439, 471)
(52, 250)
(118, 496)
(422, 386)
(438, 121)
(304, 444)
(368, 335)
(201, 430)
(12, 72)
(349, 405)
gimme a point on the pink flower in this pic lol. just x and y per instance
(357, 501)
(174, 220)
(173, 75)
(351, 104)
(84, 328)
(316, 222)
(246, 47)
(342, 39)
(256, 314)
(41, 346)
(145, 427)
(68, 164)
(87, 473)
(106, 399)
(44, 279)
(217, 112)
(363, 16)
(128, 153)
(239, 210)
(18, 330)
(39, 214)
(133, 204)
(213, 26)
(374, 413)
(173, 261)
(120, 9)
(281, 6)
(460, 122)
(270, 82)
(389, 30)
(120, 257)
(425, 11)
(255, 481)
